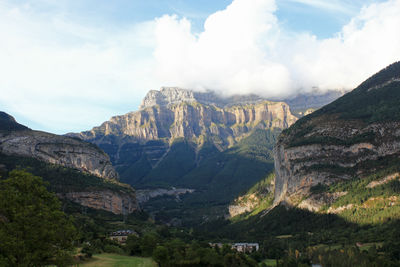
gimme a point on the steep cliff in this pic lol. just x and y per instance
(190, 119)
(146, 136)
(218, 146)
(76, 170)
(355, 136)
(59, 150)
(117, 202)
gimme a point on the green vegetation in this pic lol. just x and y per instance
(115, 260)
(33, 229)
(61, 179)
(368, 205)
(179, 161)
(375, 100)
(180, 249)
(217, 177)
(368, 137)
(268, 263)
(262, 194)
(320, 238)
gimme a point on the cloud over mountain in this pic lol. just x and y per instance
(244, 48)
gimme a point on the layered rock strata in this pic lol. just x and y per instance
(112, 201)
(59, 150)
(176, 113)
(352, 137)
(300, 167)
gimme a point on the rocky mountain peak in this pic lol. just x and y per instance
(166, 96)
(173, 95)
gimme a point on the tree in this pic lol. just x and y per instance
(160, 255)
(33, 229)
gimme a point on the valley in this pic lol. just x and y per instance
(217, 146)
(191, 169)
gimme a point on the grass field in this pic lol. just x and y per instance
(114, 260)
(269, 262)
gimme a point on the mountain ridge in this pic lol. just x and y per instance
(78, 171)
(351, 137)
(139, 142)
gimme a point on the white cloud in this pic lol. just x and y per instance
(234, 53)
(69, 76)
(364, 46)
(244, 49)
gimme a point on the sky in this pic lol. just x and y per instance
(69, 65)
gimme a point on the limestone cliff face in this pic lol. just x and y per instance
(341, 140)
(112, 201)
(167, 96)
(139, 141)
(172, 113)
(59, 150)
(106, 194)
(300, 167)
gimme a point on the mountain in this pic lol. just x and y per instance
(217, 146)
(344, 157)
(16, 139)
(305, 103)
(77, 170)
(336, 190)
(8, 123)
(172, 119)
(314, 99)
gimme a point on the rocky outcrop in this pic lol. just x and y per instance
(112, 201)
(171, 113)
(243, 205)
(339, 141)
(147, 194)
(106, 194)
(61, 150)
(259, 197)
(189, 119)
(316, 201)
(302, 166)
(144, 137)
(167, 96)
(384, 180)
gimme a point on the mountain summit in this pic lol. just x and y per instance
(174, 114)
(175, 95)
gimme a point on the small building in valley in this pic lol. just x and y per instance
(246, 247)
(122, 235)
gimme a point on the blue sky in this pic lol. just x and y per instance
(69, 65)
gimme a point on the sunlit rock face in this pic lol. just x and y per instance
(173, 113)
(59, 150)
